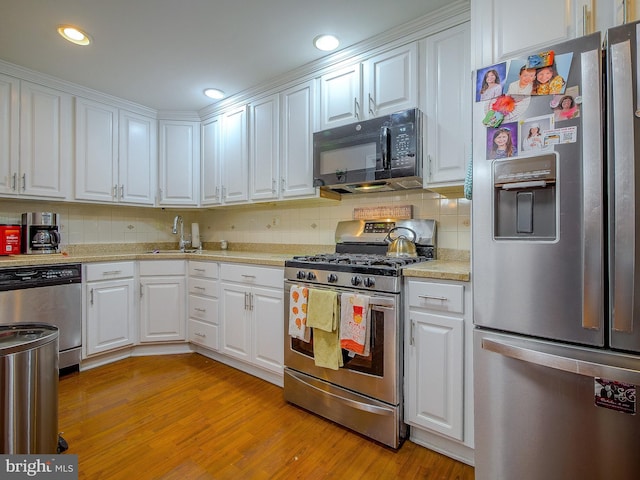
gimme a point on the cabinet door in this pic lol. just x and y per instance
(390, 82)
(9, 134)
(110, 315)
(447, 107)
(235, 158)
(508, 28)
(45, 141)
(341, 97)
(179, 162)
(210, 182)
(298, 106)
(435, 373)
(264, 148)
(267, 307)
(96, 151)
(162, 308)
(236, 321)
(138, 141)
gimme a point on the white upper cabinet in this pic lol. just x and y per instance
(138, 154)
(234, 154)
(298, 119)
(210, 170)
(381, 85)
(96, 151)
(447, 107)
(507, 28)
(264, 148)
(9, 134)
(45, 145)
(179, 162)
(115, 154)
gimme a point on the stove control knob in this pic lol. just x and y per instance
(301, 275)
(369, 282)
(355, 281)
(332, 278)
(311, 276)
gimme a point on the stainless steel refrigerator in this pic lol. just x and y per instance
(555, 258)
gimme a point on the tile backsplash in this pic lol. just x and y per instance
(289, 222)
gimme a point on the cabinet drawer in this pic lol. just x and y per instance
(203, 334)
(271, 277)
(162, 267)
(205, 309)
(108, 271)
(442, 297)
(203, 269)
(202, 286)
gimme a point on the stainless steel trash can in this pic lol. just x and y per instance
(29, 383)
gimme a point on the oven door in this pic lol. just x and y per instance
(376, 375)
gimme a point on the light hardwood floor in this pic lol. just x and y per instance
(189, 417)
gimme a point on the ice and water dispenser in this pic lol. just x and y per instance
(525, 198)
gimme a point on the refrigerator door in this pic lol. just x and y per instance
(623, 124)
(537, 414)
(545, 281)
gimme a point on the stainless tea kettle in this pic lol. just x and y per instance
(401, 246)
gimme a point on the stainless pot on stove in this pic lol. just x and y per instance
(401, 246)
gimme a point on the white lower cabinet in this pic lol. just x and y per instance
(437, 384)
(252, 313)
(162, 300)
(110, 306)
(202, 325)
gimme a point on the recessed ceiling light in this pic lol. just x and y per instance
(214, 93)
(326, 42)
(74, 35)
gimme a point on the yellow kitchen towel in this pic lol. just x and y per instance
(322, 315)
(298, 303)
(355, 321)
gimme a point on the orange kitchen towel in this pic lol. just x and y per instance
(355, 323)
(298, 302)
(323, 317)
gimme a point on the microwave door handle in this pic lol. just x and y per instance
(385, 147)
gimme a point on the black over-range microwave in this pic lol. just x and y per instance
(377, 155)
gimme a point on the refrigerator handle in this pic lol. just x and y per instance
(623, 164)
(559, 362)
(592, 168)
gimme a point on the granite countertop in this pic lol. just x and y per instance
(439, 269)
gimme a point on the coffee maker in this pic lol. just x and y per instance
(40, 232)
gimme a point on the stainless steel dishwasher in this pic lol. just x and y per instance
(46, 294)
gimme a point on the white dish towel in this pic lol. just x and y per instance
(298, 302)
(355, 321)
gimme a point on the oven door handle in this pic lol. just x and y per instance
(382, 302)
(352, 403)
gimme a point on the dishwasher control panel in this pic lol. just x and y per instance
(37, 276)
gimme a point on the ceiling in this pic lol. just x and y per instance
(163, 53)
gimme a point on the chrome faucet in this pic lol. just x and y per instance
(178, 221)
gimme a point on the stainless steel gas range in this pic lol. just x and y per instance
(365, 393)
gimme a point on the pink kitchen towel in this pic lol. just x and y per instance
(355, 323)
(298, 300)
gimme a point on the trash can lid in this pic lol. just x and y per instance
(19, 337)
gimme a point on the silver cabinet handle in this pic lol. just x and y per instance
(91, 296)
(201, 335)
(24, 182)
(411, 331)
(246, 300)
(248, 276)
(356, 107)
(200, 270)
(121, 191)
(251, 301)
(434, 297)
(197, 287)
(273, 185)
(14, 182)
(141, 290)
(115, 191)
(217, 194)
(283, 184)
(372, 111)
(111, 272)
(557, 361)
(201, 310)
